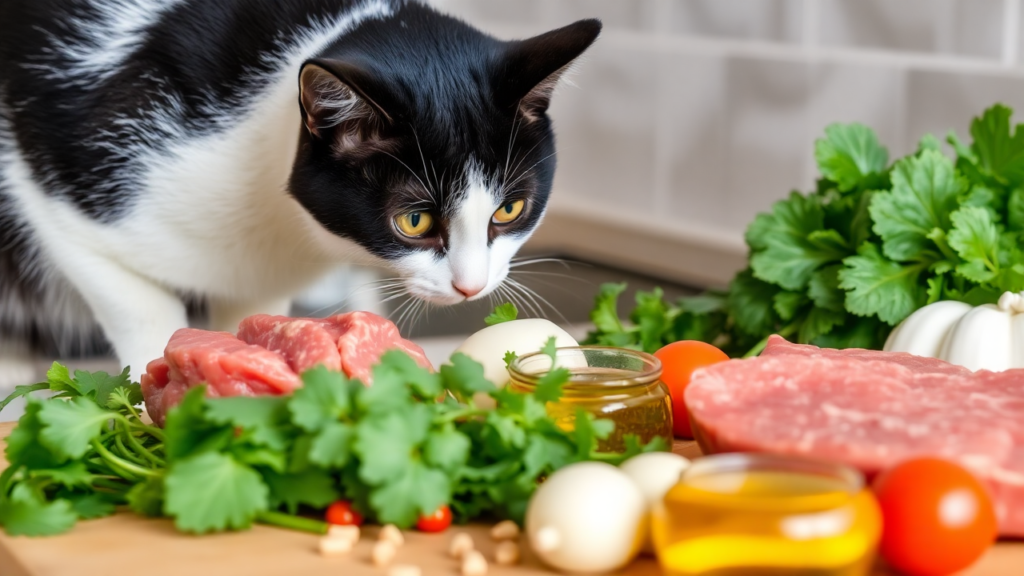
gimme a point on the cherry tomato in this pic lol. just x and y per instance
(341, 513)
(437, 521)
(937, 518)
(678, 361)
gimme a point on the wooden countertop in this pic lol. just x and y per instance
(126, 543)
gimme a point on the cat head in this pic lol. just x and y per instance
(428, 143)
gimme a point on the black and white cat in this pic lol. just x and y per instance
(236, 150)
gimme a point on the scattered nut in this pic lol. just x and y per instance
(474, 564)
(350, 533)
(505, 530)
(460, 544)
(383, 553)
(391, 533)
(334, 546)
(405, 570)
(507, 553)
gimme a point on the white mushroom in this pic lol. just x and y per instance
(587, 517)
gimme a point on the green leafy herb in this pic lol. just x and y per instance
(503, 313)
(840, 266)
(395, 449)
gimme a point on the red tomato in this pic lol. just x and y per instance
(678, 361)
(341, 513)
(437, 521)
(937, 518)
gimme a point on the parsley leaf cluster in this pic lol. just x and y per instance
(840, 266)
(397, 449)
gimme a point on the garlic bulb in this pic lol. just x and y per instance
(654, 473)
(587, 517)
(986, 337)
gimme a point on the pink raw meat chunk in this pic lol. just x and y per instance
(227, 365)
(777, 346)
(870, 410)
(353, 342)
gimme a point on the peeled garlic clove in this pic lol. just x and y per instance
(587, 517)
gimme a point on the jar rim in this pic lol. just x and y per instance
(851, 480)
(650, 373)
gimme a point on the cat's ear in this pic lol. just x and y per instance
(529, 70)
(339, 98)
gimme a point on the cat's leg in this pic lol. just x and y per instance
(226, 314)
(137, 315)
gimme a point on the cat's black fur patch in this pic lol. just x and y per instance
(451, 92)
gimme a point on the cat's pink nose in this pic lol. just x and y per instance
(467, 290)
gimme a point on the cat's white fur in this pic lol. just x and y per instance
(104, 40)
(213, 217)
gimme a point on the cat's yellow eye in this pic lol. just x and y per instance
(508, 212)
(414, 224)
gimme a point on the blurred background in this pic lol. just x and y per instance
(688, 117)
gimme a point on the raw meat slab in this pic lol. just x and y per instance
(870, 410)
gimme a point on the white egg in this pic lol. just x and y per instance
(654, 473)
(488, 346)
(587, 517)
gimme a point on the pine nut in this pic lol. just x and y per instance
(460, 544)
(392, 534)
(334, 546)
(474, 564)
(383, 553)
(507, 553)
(505, 530)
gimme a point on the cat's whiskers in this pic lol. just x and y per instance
(423, 159)
(526, 172)
(511, 143)
(411, 171)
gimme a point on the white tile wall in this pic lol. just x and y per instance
(960, 27)
(771, 20)
(700, 113)
(605, 128)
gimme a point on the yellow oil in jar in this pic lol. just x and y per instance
(754, 522)
(616, 384)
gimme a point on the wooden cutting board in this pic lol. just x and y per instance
(126, 543)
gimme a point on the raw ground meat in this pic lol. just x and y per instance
(352, 342)
(227, 365)
(870, 410)
(268, 355)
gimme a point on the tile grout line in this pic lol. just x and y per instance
(1011, 32)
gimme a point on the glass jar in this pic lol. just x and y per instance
(621, 385)
(742, 514)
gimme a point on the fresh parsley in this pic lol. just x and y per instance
(397, 449)
(503, 313)
(840, 266)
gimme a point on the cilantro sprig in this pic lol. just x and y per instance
(397, 449)
(842, 265)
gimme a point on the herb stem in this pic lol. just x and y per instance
(460, 414)
(125, 453)
(292, 522)
(110, 485)
(124, 465)
(146, 453)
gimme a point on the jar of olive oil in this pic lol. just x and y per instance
(747, 514)
(617, 384)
